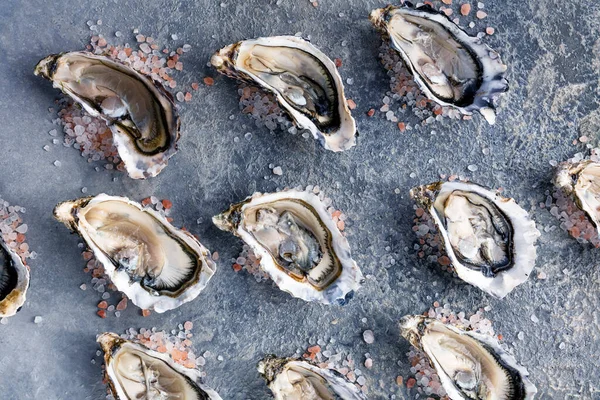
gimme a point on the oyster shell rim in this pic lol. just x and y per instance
(140, 296)
(125, 144)
(111, 343)
(14, 301)
(525, 234)
(484, 99)
(339, 291)
(224, 60)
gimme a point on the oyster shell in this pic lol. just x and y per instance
(295, 379)
(470, 365)
(14, 281)
(156, 265)
(298, 244)
(305, 82)
(133, 371)
(489, 239)
(581, 180)
(141, 113)
(451, 67)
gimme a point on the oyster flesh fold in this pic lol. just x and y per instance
(582, 181)
(298, 244)
(470, 365)
(451, 67)
(304, 80)
(141, 113)
(133, 371)
(156, 265)
(294, 379)
(490, 239)
(14, 281)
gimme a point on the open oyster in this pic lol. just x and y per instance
(133, 371)
(582, 181)
(294, 379)
(451, 67)
(470, 365)
(299, 245)
(14, 281)
(489, 239)
(304, 80)
(141, 113)
(156, 265)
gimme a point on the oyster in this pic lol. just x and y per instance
(451, 67)
(489, 239)
(470, 365)
(156, 265)
(298, 244)
(133, 371)
(294, 379)
(141, 113)
(581, 180)
(304, 80)
(14, 281)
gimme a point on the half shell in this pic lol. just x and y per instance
(470, 365)
(294, 379)
(581, 180)
(156, 265)
(14, 281)
(451, 67)
(305, 82)
(133, 371)
(141, 113)
(298, 244)
(490, 239)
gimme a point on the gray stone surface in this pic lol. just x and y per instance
(552, 50)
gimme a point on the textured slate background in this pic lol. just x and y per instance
(552, 50)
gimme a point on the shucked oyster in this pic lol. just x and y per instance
(156, 265)
(292, 379)
(304, 80)
(133, 371)
(141, 114)
(14, 281)
(489, 239)
(451, 67)
(298, 244)
(470, 365)
(582, 181)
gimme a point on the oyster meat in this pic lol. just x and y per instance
(156, 265)
(489, 239)
(298, 244)
(141, 113)
(305, 82)
(581, 180)
(451, 67)
(133, 371)
(470, 365)
(294, 379)
(14, 281)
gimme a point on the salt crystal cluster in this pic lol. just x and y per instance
(13, 230)
(572, 218)
(325, 356)
(424, 378)
(263, 108)
(250, 262)
(101, 282)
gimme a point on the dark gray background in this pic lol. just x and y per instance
(552, 50)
